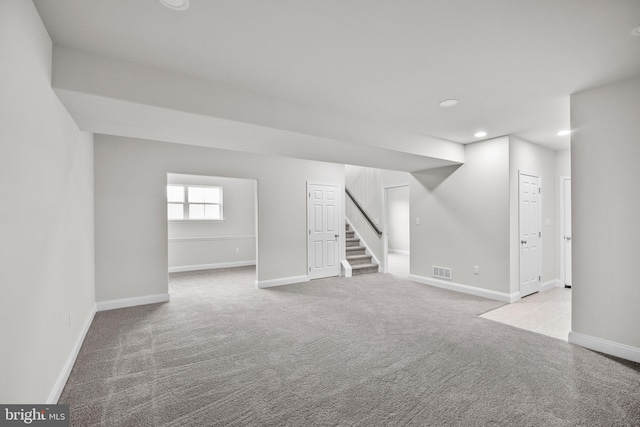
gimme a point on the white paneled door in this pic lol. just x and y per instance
(529, 188)
(323, 208)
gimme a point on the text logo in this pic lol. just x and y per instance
(34, 415)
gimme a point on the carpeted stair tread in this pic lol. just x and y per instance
(363, 266)
(367, 268)
(359, 259)
(350, 257)
(350, 242)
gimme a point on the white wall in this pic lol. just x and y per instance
(130, 209)
(394, 178)
(563, 162)
(534, 159)
(46, 215)
(210, 244)
(464, 218)
(398, 217)
(366, 185)
(605, 150)
(469, 216)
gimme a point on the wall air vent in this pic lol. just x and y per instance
(442, 272)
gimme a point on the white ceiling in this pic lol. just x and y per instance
(512, 64)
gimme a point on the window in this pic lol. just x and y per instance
(175, 200)
(194, 202)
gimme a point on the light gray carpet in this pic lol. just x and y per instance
(372, 350)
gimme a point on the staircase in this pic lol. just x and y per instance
(360, 262)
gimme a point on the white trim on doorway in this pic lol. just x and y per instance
(384, 265)
(562, 233)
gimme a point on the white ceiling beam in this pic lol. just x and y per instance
(98, 89)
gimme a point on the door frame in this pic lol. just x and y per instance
(340, 223)
(563, 275)
(256, 218)
(535, 175)
(384, 268)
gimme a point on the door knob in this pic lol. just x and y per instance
(524, 242)
(567, 237)
(337, 235)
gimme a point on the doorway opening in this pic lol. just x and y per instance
(396, 233)
(211, 222)
(547, 312)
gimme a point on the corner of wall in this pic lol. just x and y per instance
(51, 286)
(451, 234)
(63, 376)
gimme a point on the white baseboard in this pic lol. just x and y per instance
(398, 251)
(555, 283)
(211, 266)
(605, 346)
(261, 284)
(61, 381)
(131, 302)
(471, 290)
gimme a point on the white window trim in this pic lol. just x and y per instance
(185, 204)
(195, 221)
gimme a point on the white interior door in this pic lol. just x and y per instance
(324, 234)
(529, 188)
(566, 230)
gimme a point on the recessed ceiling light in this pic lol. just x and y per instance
(448, 103)
(636, 31)
(564, 132)
(480, 134)
(175, 4)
